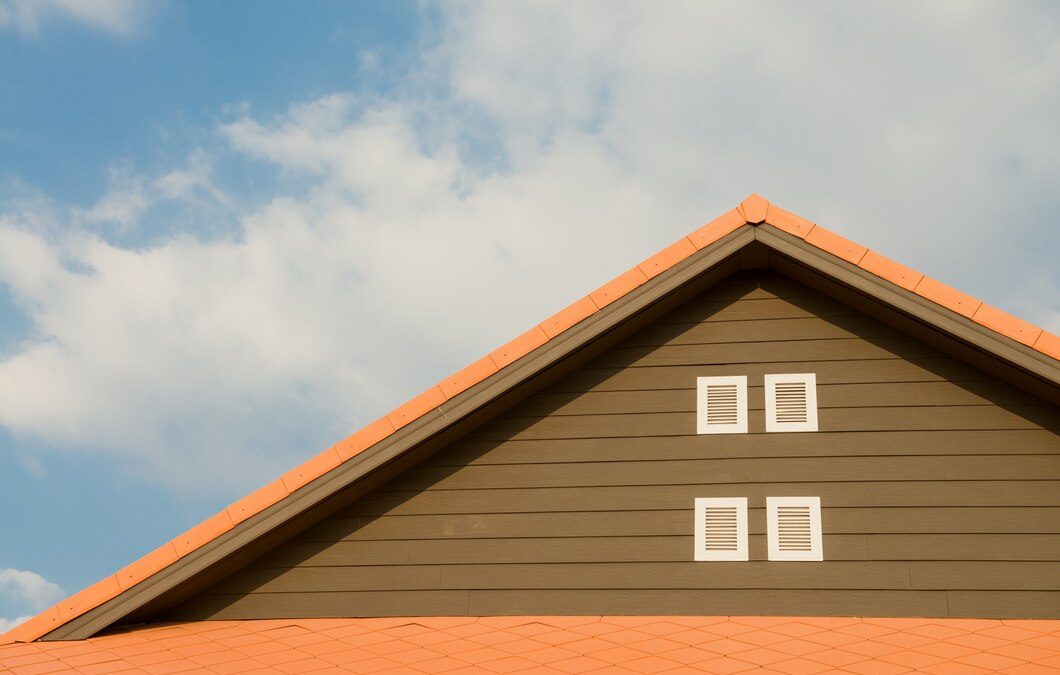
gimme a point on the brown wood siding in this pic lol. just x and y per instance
(939, 485)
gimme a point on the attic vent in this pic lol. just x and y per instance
(721, 528)
(794, 525)
(791, 402)
(721, 405)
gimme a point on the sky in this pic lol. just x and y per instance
(231, 233)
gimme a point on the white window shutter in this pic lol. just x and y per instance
(791, 402)
(721, 405)
(794, 528)
(721, 528)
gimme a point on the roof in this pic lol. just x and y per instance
(927, 300)
(559, 644)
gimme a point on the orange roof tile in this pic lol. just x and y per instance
(562, 644)
(752, 211)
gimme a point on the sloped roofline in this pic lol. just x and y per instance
(1005, 336)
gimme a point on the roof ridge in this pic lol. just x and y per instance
(754, 210)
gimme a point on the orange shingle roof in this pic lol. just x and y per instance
(558, 644)
(752, 211)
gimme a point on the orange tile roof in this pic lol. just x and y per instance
(752, 211)
(557, 644)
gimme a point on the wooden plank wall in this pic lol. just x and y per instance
(940, 488)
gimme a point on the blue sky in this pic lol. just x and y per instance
(230, 233)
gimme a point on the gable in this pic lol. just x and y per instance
(939, 485)
(755, 235)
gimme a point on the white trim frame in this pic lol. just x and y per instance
(701, 506)
(809, 382)
(813, 505)
(703, 398)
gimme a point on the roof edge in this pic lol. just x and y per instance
(754, 210)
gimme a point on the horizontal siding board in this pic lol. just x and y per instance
(707, 309)
(747, 470)
(980, 575)
(1004, 604)
(876, 395)
(671, 497)
(709, 602)
(735, 353)
(760, 330)
(835, 444)
(858, 371)
(323, 605)
(937, 418)
(687, 574)
(943, 520)
(672, 548)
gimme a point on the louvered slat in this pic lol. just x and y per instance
(793, 526)
(722, 404)
(722, 532)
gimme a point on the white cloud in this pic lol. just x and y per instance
(121, 17)
(427, 228)
(25, 591)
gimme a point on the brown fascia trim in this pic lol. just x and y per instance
(678, 284)
(1040, 373)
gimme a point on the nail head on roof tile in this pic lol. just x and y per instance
(568, 316)
(310, 470)
(364, 438)
(788, 221)
(890, 270)
(416, 407)
(256, 501)
(202, 533)
(716, 229)
(754, 208)
(831, 242)
(1006, 324)
(618, 287)
(520, 346)
(947, 296)
(667, 258)
(468, 377)
(1048, 344)
(137, 571)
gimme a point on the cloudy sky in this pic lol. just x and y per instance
(229, 235)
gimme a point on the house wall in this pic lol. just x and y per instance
(939, 486)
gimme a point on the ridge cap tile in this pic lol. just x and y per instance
(754, 208)
(364, 438)
(467, 377)
(257, 501)
(311, 469)
(1007, 324)
(706, 235)
(618, 287)
(204, 532)
(888, 269)
(787, 221)
(514, 349)
(1048, 344)
(146, 565)
(829, 241)
(668, 257)
(96, 594)
(947, 296)
(569, 316)
(416, 407)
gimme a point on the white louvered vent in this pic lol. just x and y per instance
(791, 402)
(721, 405)
(794, 528)
(721, 528)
